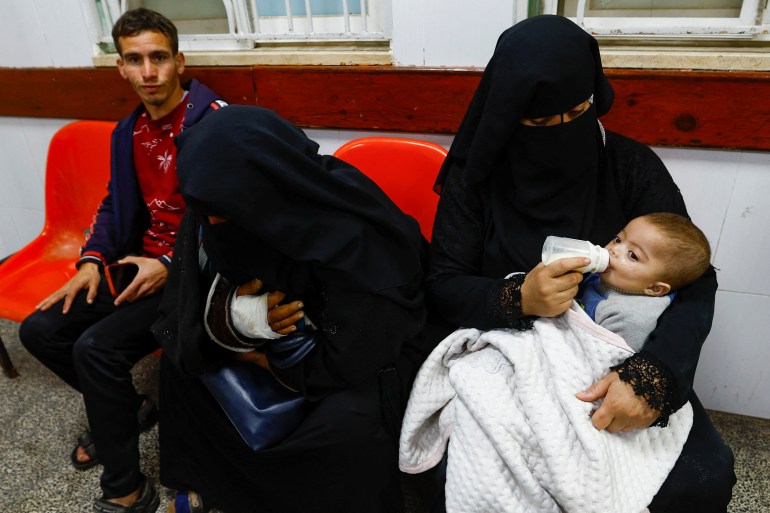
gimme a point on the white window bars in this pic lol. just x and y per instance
(654, 23)
(347, 21)
(245, 20)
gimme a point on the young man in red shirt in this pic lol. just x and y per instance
(83, 333)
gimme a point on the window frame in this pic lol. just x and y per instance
(653, 45)
(750, 23)
(243, 43)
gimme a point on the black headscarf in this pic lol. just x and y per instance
(290, 211)
(297, 220)
(540, 180)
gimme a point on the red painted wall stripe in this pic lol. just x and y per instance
(663, 108)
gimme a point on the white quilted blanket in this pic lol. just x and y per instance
(520, 439)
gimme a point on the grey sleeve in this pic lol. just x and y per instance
(632, 317)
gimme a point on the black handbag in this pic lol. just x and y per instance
(263, 411)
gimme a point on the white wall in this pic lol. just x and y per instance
(448, 32)
(42, 33)
(727, 196)
(726, 191)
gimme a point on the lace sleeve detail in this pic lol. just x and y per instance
(505, 303)
(652, 380)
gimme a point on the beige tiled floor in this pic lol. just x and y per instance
(749, 438)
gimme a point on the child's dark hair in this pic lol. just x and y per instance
(689, 253)
(140, 19)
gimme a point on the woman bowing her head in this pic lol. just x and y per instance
(278, 240)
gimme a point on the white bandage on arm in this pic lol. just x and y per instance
(249, 315)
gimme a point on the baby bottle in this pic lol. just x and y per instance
(556, 248)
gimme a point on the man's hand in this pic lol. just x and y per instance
(548, 290)
(621, 409)
(148, 281)
(87, 278)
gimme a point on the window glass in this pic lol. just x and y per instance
(317, 7)
(190, 16)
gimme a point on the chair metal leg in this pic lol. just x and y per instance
(5, 361)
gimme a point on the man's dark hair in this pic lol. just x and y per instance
(140, 19)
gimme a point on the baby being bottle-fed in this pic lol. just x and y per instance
(556, 248)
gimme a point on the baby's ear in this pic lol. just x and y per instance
(658, 289)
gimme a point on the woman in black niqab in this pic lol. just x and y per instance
(318, 230)
(545, 181)
(528, 161)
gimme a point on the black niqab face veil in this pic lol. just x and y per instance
(542, 66)
(541, 180)
(290, 210)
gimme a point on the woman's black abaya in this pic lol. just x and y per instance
(506, 186)
(318, 230)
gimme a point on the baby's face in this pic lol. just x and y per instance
(635, 264)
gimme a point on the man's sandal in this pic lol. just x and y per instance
(147, 416)
(148, 501)
(86, 442)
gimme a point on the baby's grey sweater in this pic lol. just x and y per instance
(631, 316)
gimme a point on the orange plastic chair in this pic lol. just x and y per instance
(77, 172)
(404, 168)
